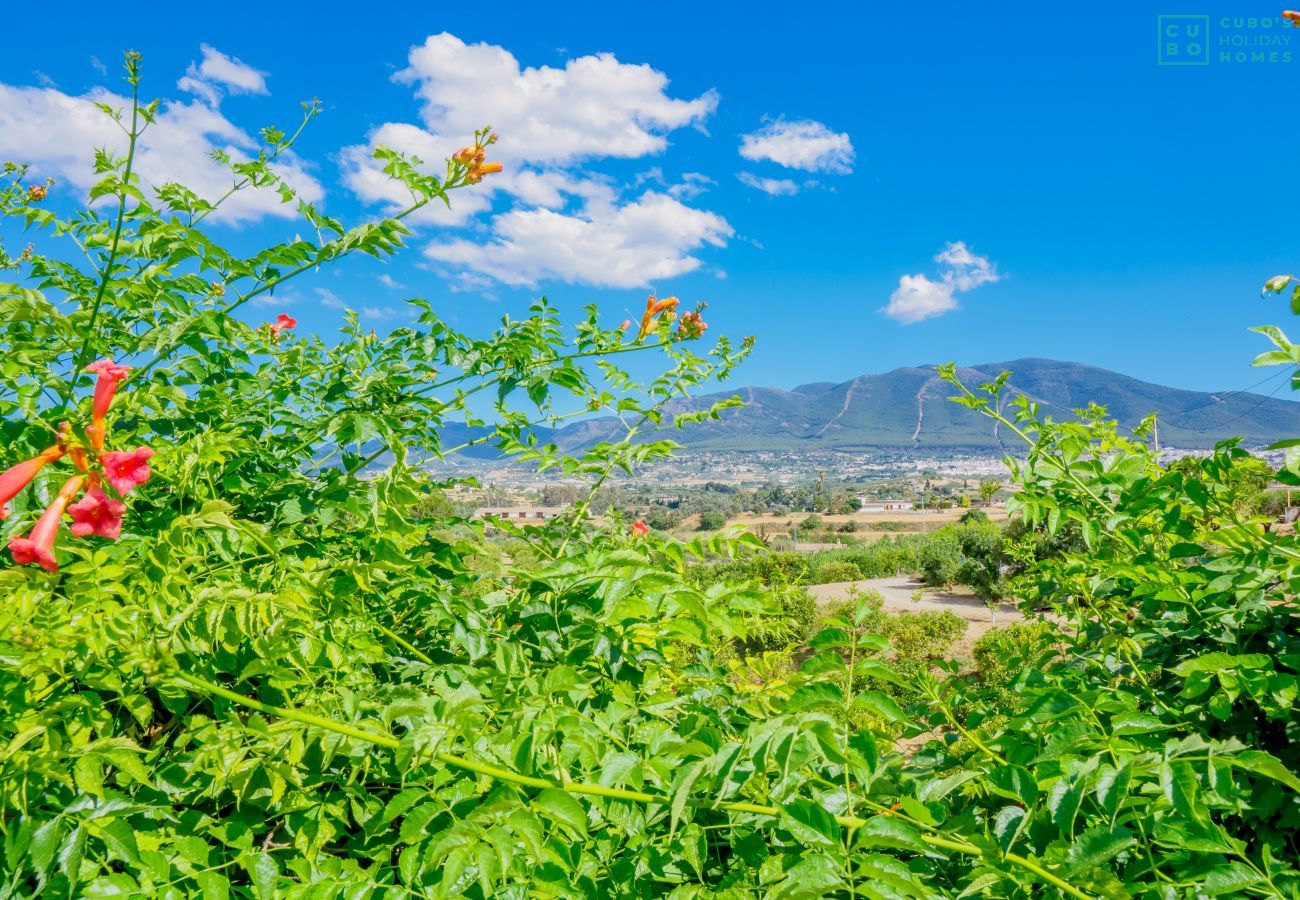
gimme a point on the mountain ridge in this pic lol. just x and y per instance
(908, 407)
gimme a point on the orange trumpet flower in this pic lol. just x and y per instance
(15, 478)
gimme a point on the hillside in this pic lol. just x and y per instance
(909, 407)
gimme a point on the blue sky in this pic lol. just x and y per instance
(1089, 204)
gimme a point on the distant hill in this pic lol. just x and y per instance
(909, 408)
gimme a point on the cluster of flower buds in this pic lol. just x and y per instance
(474, 158)
(97, 512)
(692, 325)
(37, 192)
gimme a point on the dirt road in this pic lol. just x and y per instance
(898, 591)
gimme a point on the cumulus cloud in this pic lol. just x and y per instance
(919, 297)
(217, 72)
(560, 220)
(604, 245)
(58, 133)
(777, 187)
(595, 106)
(802, 144)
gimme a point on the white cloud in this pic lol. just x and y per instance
(691, 186)
(329, 299)
(802, 144)
(605, 245)
(58, 134)
(382, 313)
(218, 71)
(777, 187)
(554, 217)
(595, 106)
(389, 282)
(964, 268)
(918, 297)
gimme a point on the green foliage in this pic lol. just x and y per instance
(1002, 654)
(712, 521)
(838, 570)
(291, 678)
(940, 558)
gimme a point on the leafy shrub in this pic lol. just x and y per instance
(836, 570)
(712, 521)
(1003, 653)
(940, 558)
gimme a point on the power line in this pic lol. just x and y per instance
(1262, 401)
(1225, 397)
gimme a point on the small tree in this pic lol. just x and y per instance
(712, 520)
(988, 490)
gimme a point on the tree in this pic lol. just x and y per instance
(712, 520)
(560, 494)
(988, 490)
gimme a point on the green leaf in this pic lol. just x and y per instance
(816, 695)
(1113, 786)
(562, 808)
(890, 833)
(1261, 763)
(40, 852)
(1182, 788)
(1014, 782)
(1097, 846)
(810, 823)
(264, 873)
(1006, 826)
(1230, 878)
(880, 705)
(416, 821)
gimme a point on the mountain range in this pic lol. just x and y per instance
(908, 408)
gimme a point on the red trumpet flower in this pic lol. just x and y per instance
(283, 322)
(110, 376)
(38, 547)
(126, 471)
(639, 529)
(15, 478)
(97, 513)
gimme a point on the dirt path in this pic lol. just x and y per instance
(848, 398)
(897, 593)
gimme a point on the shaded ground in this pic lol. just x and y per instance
(897, 593)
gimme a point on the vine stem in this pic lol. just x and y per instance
(80, 359)
(579, 787)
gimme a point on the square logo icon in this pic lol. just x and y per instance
(1182, 40)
